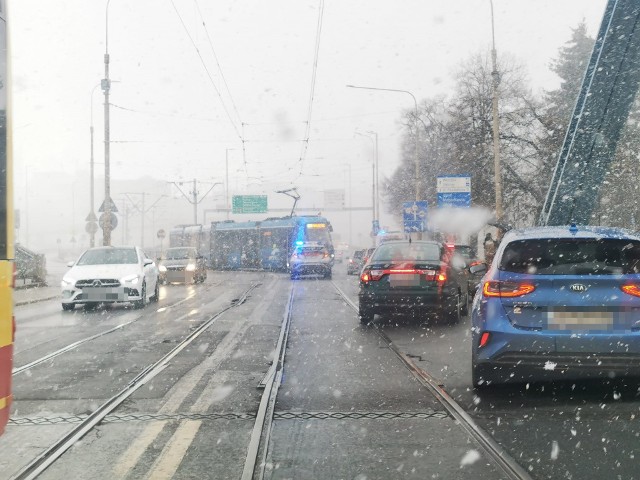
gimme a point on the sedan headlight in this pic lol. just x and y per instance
(67, 282)
(162, 268)
(191, 267)
(132, 279)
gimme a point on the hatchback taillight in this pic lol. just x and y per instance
(631, 289)
(495, 288)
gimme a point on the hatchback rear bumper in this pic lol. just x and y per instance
(516, 367)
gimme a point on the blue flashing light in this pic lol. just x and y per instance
(299, 242)
(573, 228)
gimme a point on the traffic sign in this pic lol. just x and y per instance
(414, 216)
(454, 199)
(91, 218)
(111, 204)
(91, 227)
(249, 204)
(454, 190)
(161, 234)
(103, 219)
(375, 227)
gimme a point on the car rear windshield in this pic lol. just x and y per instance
(561, 256)
(358, 254)
(464, 250)
(109, 256)
(407, 251)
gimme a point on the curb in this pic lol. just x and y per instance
(28, 302)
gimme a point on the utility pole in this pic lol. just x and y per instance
(194, 200)
(226, 183)
(106, 85)
(194, 192)
(142, 210)
(495, 75)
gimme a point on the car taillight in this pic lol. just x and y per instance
(372, 275)
(441, 278)
(484, 339)
(631, 289)
(325, 255)
(495, 288)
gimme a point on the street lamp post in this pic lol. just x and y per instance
(416, 159)
(417, 131)
(377, 175)
(92, 213)
(106, 231)
(348, 165)
(373, 179)
(495, 75)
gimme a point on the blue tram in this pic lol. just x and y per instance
(253, 245)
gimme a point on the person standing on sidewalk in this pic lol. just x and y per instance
(489, 248)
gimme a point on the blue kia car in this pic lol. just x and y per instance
(558, 303)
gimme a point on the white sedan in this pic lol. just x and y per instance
(109, 275)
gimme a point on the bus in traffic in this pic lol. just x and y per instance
(7, 323)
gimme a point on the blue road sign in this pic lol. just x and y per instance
(454, 199)
(414, 216)
(454, 190)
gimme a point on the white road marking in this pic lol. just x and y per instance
(184, 387)
(169, 460)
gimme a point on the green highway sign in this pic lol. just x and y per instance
(249, 204)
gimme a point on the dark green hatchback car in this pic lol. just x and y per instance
(419, 277)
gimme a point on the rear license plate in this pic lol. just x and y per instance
(404, 280)
(577, 321)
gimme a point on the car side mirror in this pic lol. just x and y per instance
(147, 261)
(478, 268)
(71, 264)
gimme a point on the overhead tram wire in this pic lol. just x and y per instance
(208, 73)
(215, 56)
(161, 114)
(224, 80)
(305, 144)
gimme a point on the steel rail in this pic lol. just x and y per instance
(76, 344)
(272, 380)
(492, 448)
(55, 451)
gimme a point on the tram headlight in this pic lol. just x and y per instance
(191, 267)
(68, 282)
(162, 269)
(132, 279)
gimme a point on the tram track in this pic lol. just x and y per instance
(74, 345)
(255, 462)
(47, 458)
(493, 450)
